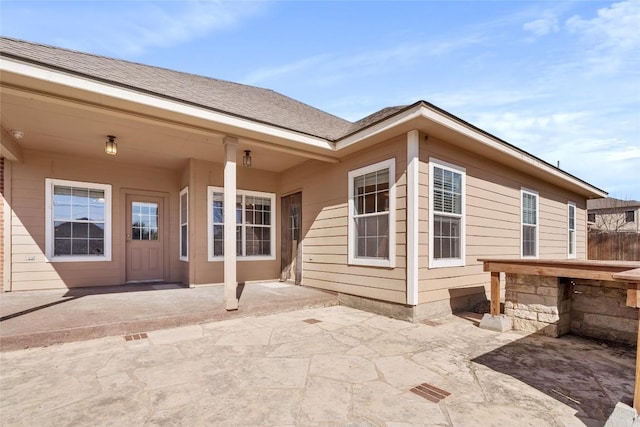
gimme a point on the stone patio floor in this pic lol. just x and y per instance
(329, 366)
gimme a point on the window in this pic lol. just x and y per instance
(572, 230)
(255, 231)
(629, 216)
(371, 227)
(184, 224)
(78, 221)
(529, 224)
(144, 221)
(591, 217)
(446, 214)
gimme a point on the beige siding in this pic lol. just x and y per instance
(324, 215)
(212, 174)
(30, 269)
(493, 220)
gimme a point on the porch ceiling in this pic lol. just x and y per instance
(72, 129)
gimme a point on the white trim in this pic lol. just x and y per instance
(243, 193)
(419, 111)
(422, 111)
(157, 101)
(373, 262)
(8, 219)
(184, 221)
(413, 176)
(49, 240)
(571, 205)
(524, 191)
(448, 262)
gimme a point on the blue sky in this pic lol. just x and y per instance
(559, 79)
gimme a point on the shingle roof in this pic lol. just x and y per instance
(376, 117)
(253, 103)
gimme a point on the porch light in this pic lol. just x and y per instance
(111, 147)
(246, 159)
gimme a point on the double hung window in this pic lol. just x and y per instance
(529, 200)
(255, 228)
(184, 224)
(571, 244)
(78, 221)
(447, 214)
(371, 228)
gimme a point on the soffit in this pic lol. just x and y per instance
(77, 131)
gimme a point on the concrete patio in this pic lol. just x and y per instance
(328, 366)
(39, 318)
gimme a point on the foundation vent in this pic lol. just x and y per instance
(135, 337)
(429, 392)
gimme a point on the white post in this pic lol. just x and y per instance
(230, 281)
(413, 177)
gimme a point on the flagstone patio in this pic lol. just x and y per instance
(329, 366)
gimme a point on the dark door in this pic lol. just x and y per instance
(290, 242)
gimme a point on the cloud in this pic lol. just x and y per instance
(270, 73)
(328, 68)
(132, 28)
(542, 26)
(612, 37)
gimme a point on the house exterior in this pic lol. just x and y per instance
(391, 211)
(614, 215)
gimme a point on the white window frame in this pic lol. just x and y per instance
(448, 262)
(524, 191)
(351, 230)
(244, 193)
(50, 183)
(184, 222)
(571, 241)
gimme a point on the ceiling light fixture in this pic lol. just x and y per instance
(17, 134)
(111, 147)
(246, 159)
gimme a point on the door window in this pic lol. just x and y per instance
(144, 221)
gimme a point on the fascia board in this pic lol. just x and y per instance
(423, 111)
(111, 90)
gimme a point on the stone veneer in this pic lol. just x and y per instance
(599, 310)
(538, 303)
(555, 306)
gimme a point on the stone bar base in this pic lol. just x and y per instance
(599, 310)
(555, 306)
(538, 303)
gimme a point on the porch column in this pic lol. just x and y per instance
(413, 186)
(230, 281)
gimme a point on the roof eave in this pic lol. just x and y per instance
(41, 71)
(440, 117)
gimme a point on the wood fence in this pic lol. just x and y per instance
(614, 246)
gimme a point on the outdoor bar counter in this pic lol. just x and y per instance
(597, 299)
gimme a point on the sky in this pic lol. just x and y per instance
(559, 79)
